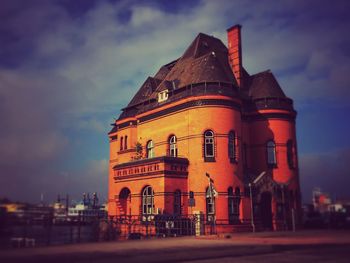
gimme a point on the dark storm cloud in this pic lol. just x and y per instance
(67, 67)
(329, 171)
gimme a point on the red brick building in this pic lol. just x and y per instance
(204, 114)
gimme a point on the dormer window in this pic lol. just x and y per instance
(163, 95)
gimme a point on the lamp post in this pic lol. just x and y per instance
(213, 193)
(251, 207)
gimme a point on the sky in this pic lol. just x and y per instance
(67, 67)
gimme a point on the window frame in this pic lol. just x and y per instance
(150, 149)
(172, 141)
(271, 154)
(209, 144)
(232, 147)
(125, 142)
(234, 199)
(121, 143)
(163, 95)
(210, 205)
(148, 200)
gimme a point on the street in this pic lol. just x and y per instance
(304, 246)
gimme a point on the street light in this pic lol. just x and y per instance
(251, 207)
(212, 194)
(257, 179)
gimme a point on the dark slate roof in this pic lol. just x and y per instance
(204, 61)
(147, 88)
(164, 70)
(264, 85)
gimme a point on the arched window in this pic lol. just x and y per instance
(150, 149)
(290, 154)
(209, 145)
(126, 143)
(210, 204)
(177, 202)
(234, 200)
(147, 201)
(232, 146)
(121, 143)
(172, 146)
(271, 153)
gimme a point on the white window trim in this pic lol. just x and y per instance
(209, 140)
(163, 95)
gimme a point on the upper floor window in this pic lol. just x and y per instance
(126, 143)
(172, 146)
(290, 154)
(150, 149)
(163, 95)
(271, 153)
(232, 146)
(209, 145)
(121, 143)
(210, 204)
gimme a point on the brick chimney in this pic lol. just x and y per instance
(235, 51)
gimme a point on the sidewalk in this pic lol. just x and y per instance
(180, 248)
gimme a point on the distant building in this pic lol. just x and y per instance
(13, 207)
(321, 200)
(87, 210)
(203, 113)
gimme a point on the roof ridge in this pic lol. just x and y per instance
(196, 47)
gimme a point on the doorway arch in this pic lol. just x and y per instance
(125, 201)
(266, 210)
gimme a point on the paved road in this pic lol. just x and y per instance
(311, 246)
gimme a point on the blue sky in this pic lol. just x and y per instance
(67, 67)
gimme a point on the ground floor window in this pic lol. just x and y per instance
(147, 201)
(210, 204)
(234, 200)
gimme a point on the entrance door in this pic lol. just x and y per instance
(265, 209)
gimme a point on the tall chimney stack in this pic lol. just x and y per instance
(235, 52)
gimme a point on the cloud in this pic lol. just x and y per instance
(329, 171)
(93, 125)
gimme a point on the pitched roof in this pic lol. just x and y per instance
(147, 88)
(205, 60)
(264, 85)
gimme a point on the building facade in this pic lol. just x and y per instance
(203, 136)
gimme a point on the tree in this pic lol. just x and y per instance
(139, 151)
